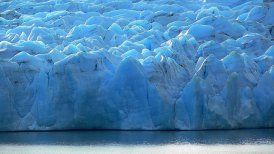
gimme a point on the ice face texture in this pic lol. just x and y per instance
(136, 64)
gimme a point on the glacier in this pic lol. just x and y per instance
(136, 64)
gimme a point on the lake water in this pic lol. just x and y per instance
(225, 141)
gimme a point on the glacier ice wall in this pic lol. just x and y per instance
(136, 64)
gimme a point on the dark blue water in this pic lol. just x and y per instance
(253, 136)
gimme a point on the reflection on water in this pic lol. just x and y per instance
(253, 136)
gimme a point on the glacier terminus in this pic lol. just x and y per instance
(136, 64)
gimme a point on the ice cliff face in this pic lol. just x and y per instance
(136, 65)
